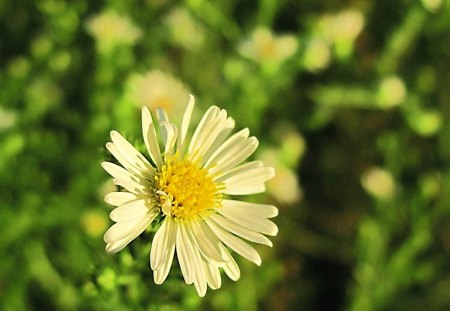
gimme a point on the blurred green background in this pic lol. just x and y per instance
(350, 101)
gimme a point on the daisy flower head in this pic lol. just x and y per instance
(186, 181)
(265, 46)
(111, 30)
(155, 89)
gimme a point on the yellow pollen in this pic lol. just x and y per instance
(185, 190)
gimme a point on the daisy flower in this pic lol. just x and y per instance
(264, 46)
(187, 183)
(111, 30)
(155, 89)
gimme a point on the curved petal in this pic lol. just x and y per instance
(117, 246)
(254, 223)
(245, 190)
(233, 156)
(206, 242)
(126, 163)
(119, 198)
(169, 133)
(250, 209)
(219, 139)
(131, 186)
(133, 156)
(237, 170)
(163, 268)
(212, 275)
(150, 138)
(213, 132)
(122, 230)
(162, 116)
(200, 282)
(185, 124)
(240, 231)
(250, 176)
(119, 172)
(130, 211)
(222, 152)
(184, 250)
(231, 268)
(236, 244)
(205, 122)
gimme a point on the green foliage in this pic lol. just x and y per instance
(350, 104)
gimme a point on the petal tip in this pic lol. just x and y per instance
(271, 171)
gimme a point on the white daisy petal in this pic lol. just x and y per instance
(212, 275)
(205, 122)
(121, 230)
(161, 115)
(170, 133)
(250, 209)
(116, 246)
(185, 124)
(119, 198)
(213, 130)
(245, 190)
(251, 176)
(131, 186)
(234, 155)
(206, 242)
(236, 244)
(119, 245)
(254, 223)
(231, 268)
(130, 211)
(200, 282)
(159, 246)
(219, 139)
(133, 156)
(237, 170)
(240, 231)
(117, 171)
(161, 273)
(125, 163)
(209, 133)
(184, 251)
(228, 145)
(150, 138)
(238, 154)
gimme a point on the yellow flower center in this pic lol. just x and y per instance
(185, 190)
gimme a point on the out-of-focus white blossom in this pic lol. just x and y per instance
(111, 30)
(317, 55)
(335, 32)
(378, 182)
(432, 5)
(284, 186)
(184, 30)
(343, 26)
(263, 46)
(155, 89)
(391, 92)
